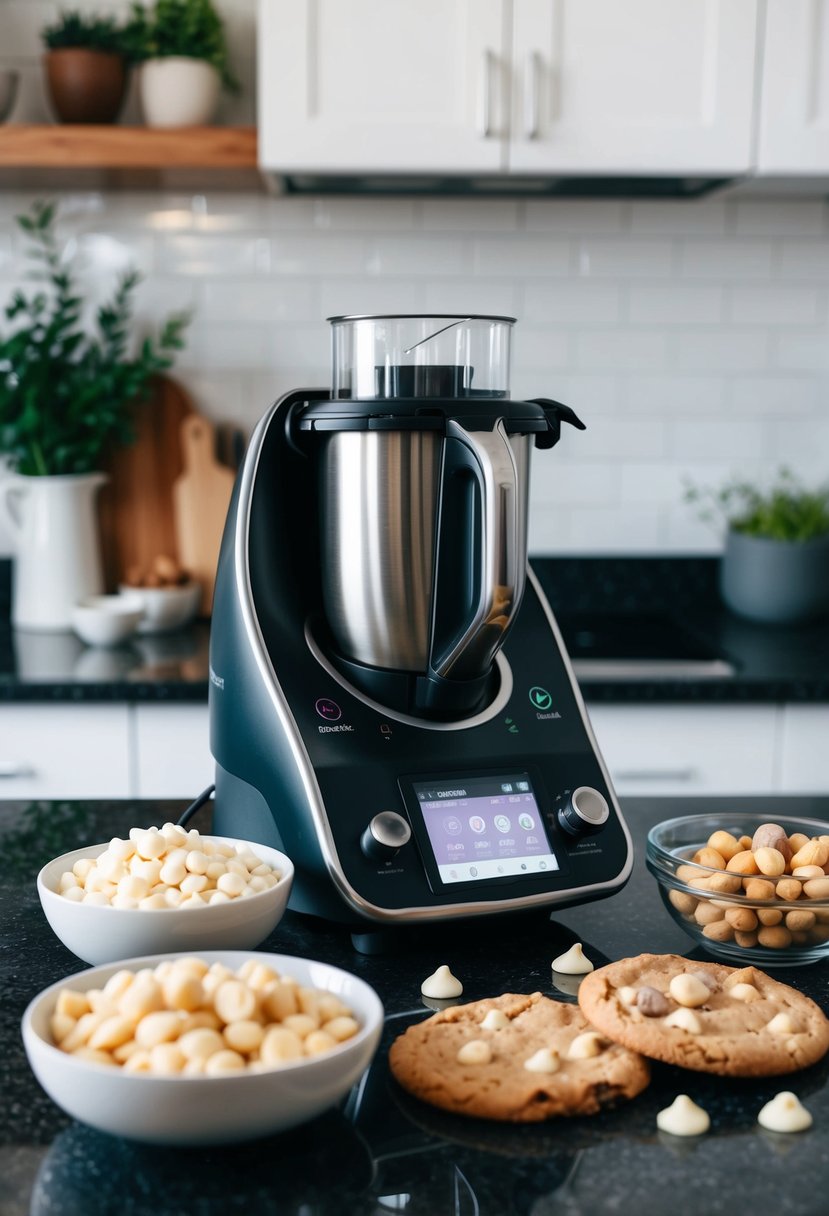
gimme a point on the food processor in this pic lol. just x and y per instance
(391, 703)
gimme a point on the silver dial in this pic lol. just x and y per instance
(385, 836)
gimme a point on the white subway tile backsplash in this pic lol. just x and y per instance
(724, 260)
(622, 350)
(521, 256)
(569, 303)
(775, 305)
(628, 257)
(677, 304)
(722, 350)
(690, 336)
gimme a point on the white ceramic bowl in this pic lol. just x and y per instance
(100, 934)
(165, 608)
(204, 1110)
(106, 620)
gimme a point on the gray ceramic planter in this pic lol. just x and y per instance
(778, 582)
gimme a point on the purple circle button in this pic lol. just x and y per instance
(328, 709)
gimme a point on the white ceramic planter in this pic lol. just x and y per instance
(54, 531)
(178, 92)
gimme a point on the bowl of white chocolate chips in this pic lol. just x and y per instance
(165, 888)
(207, 1049)
(746, 890)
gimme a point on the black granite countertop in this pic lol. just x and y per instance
(676, 596)
(382, 1152)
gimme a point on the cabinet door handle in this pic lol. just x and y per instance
(656, 774)
(532, 80)
(15, 768)
(485, 104)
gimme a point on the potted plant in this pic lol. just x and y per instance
(775, 567)
(184, 65)
(64, 394)
(86, 68)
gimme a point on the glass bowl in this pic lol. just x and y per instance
(720, 908)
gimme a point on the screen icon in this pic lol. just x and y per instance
(540, 697)
(452, 825)
(526, 821)
(522, 786)
(477, 824)
(503, 824)
(473, 871)
(506, 787)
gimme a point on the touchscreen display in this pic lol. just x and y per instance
(484, 827)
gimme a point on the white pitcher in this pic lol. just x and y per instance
(54, 531)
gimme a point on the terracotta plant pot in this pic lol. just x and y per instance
(85, 86)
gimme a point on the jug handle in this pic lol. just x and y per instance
(501, 572)
(9, 491)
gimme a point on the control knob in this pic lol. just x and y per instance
(586, 810)
(385, 836)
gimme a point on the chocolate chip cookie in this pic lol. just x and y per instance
(517, 1058)
(705, 1016)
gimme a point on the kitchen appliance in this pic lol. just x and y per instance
(390, 700)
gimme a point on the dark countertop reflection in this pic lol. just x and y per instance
(383, 1151)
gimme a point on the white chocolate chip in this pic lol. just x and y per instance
(573, 961)
(627, 996)
(586, 1045)
(441, 985)
(683, 1118)
(689, 991)
(781, 1023)
(784, 1114)
(476, 1051)
(684, 1019)
(744, 992)
(544, 1060)
(496, 1019)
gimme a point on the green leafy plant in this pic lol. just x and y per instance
(92, 33)
(191, 28)
(785, 511)
(64, 392)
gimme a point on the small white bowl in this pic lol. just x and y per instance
(106, 620)
(165, 608)
(98, 933)
(204, 1110)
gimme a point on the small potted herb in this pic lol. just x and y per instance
(181, 47)
(64, 394)
(775, 567)
(86, 68)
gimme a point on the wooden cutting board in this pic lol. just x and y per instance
(136, 506)
(201, 496)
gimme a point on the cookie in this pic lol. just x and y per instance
(705, 1016)
(471, 1059)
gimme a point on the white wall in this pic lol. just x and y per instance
(692, 337)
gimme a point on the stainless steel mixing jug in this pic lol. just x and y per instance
(423, 494)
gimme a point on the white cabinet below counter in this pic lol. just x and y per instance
(64, 751)
(116, 750)
(688, 749)
(804, 751)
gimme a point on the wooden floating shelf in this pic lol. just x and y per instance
(110, 155)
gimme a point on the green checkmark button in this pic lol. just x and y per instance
(540, 698)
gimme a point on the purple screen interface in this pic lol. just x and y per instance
(484, 827)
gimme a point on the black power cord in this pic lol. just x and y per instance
(194, 806)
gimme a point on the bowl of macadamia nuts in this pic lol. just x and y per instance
(745, 889)
(167, 888)
(204, 1048)
(168, 596)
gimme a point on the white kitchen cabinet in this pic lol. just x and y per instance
(697, 749)
(64, 751)
(171, 752)
(644, 87)
(358, 86)
(516, 86)
(793, 135)
(804, 752)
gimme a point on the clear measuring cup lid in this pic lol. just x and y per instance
(405, 355)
